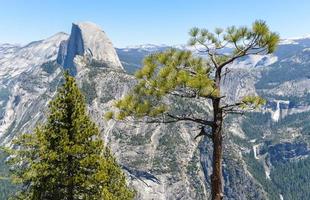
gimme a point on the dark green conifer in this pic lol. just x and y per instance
(66, 158)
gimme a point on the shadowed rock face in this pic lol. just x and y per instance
(88, 40)
(75, 46)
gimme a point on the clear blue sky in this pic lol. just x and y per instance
(129, 22)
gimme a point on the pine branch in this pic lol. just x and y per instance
(208, 51)
(197, 120)
(232, 105)
(203, 133)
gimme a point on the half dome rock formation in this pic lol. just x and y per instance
(88, 40)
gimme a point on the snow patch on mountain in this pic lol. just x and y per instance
(293, 40)
(287, 42)
(146, 47)
(255, 61)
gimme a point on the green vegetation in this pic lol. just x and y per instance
(7, 188)
(279, 73)
(195, 79)
(50, 67)
(289, 177)
(132, 59)
(89, 90)
(258, 172)
(255, 124)
(65, 158)
(292, 179)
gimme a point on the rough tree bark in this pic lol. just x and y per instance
(217, 139)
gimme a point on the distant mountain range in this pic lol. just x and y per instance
(267, 154)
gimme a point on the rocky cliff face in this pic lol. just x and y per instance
(25, 77)
(87, 40)
(164, 161)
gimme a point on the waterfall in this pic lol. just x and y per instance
(276, 115)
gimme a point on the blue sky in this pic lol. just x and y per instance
(130, 22)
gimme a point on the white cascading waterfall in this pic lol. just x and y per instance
(276, 115)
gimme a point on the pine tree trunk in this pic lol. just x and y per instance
(217, 139)
(216, 177)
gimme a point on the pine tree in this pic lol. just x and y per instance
(183, 77)
(65, 158)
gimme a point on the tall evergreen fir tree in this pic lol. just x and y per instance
(178, 76)
(65, 158)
